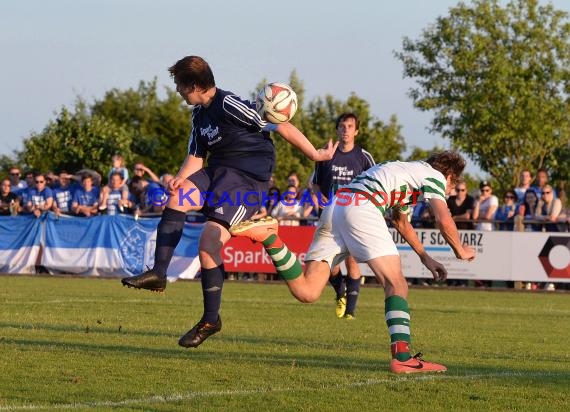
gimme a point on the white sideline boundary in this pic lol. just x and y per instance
(176, 397)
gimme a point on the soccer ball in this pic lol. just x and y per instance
(276, 103)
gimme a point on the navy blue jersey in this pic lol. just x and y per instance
(234, 135)
(341, 169)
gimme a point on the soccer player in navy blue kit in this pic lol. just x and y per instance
(240, 158)
(349, 160)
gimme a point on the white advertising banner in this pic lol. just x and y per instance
(501, 255)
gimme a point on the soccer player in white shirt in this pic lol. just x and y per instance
(354, 225)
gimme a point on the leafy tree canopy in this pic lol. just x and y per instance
(498, 81)
(159, 127)
(418, 153)
(135, 123)
(76, 140)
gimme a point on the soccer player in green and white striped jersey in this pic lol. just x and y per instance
(354, 224)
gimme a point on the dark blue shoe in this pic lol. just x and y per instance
(147, 280)
(199, 333)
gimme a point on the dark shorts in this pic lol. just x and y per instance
(229, 195)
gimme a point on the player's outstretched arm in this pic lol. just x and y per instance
(403, 226)
(446, 225)
(294, 136)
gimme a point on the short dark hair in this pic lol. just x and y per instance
(448, 163)
(542, 170)
(531, 192)
(346, 116)
(484, 183)
(136, 179)
(193, 71)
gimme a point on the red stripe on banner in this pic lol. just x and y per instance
(242, 255)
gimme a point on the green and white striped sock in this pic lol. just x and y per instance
(398, 321)
(286, 263)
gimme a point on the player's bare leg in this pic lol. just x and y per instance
(309, 287)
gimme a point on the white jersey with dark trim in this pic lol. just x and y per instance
(399, 184)
(231, 133)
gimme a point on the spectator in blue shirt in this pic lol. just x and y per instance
(40, 198)
(85, 200)
(144, 200)
(507, 211)
(114, 196)
(63, 194)
(17, 185)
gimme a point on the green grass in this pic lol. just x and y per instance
(74, 343)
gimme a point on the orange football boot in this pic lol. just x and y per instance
(256, 230)
(415, 365)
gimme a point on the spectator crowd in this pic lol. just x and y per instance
(83, 193)
(532, 206)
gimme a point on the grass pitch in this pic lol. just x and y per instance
(91, 344)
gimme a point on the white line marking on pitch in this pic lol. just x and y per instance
(216, 394)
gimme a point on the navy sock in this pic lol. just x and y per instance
(352, 291)
(338, 285)
(167, 238)
(212, 283)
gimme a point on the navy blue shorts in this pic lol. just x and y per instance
(229, 195)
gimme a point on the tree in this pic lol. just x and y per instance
(498, 81)
(159, 127)
(6, 162)
(76, 140)
(135, 123)
(418, 153)
(559, 165)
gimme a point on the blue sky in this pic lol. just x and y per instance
(53, 51)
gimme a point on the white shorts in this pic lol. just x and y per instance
(357, 228)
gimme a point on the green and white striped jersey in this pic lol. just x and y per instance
(398, 184)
